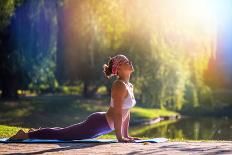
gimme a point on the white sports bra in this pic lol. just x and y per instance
(130, 101)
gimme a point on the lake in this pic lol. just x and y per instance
(188, 128)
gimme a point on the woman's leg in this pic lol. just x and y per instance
(94, 126)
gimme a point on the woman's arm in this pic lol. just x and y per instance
(125, 129)
(118, 95)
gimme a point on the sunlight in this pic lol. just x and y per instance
(198, 14)
(203, 11)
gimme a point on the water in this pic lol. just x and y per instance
(190, 128)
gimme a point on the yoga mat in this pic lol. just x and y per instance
(5, 140)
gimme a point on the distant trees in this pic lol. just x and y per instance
(29, 43)
(67, 42)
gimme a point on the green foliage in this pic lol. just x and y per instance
(7, 8)
(38, 49)
(170, 51)
(170, 56)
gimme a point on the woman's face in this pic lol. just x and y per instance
(126, 67)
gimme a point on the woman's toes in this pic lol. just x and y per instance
(31, 129)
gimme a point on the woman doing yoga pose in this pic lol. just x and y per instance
(116, 118)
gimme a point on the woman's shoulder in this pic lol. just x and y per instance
(118, 84)
(118, 87)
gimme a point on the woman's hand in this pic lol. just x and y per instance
(125, 140)
(133, 138)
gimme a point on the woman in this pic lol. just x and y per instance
(116, 118)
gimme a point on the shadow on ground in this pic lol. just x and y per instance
(62, 147)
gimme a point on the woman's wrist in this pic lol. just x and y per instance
(120, 138)
(126, 136)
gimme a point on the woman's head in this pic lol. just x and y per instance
(118, 65)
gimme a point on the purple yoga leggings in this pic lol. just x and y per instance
(94, 126)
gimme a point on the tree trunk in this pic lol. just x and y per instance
(8, 80)
(60, 45)
(87, 92)
(9, 88)
(85, 89)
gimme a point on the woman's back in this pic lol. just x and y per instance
(128, 103)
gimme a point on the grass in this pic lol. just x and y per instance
(51, 111)
(7, 131)
(145, 113)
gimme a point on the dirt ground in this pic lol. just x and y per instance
(198, 148)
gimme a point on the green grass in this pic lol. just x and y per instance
(7, 131)
(145, 113)
(52, 111)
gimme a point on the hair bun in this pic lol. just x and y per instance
(106, 70)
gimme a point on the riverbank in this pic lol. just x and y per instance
(199, 148)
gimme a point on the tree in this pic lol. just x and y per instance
(8, 63)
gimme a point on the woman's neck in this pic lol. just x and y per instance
(125, 79)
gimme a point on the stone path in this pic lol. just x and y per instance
(198, 148)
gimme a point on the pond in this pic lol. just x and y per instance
(188, 128)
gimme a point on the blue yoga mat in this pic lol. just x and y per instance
(5, 140)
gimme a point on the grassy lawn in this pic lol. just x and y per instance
(61, 111)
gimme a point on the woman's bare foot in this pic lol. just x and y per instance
(31, 129)
(19, 135)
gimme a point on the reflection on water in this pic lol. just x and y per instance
(205, 128)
